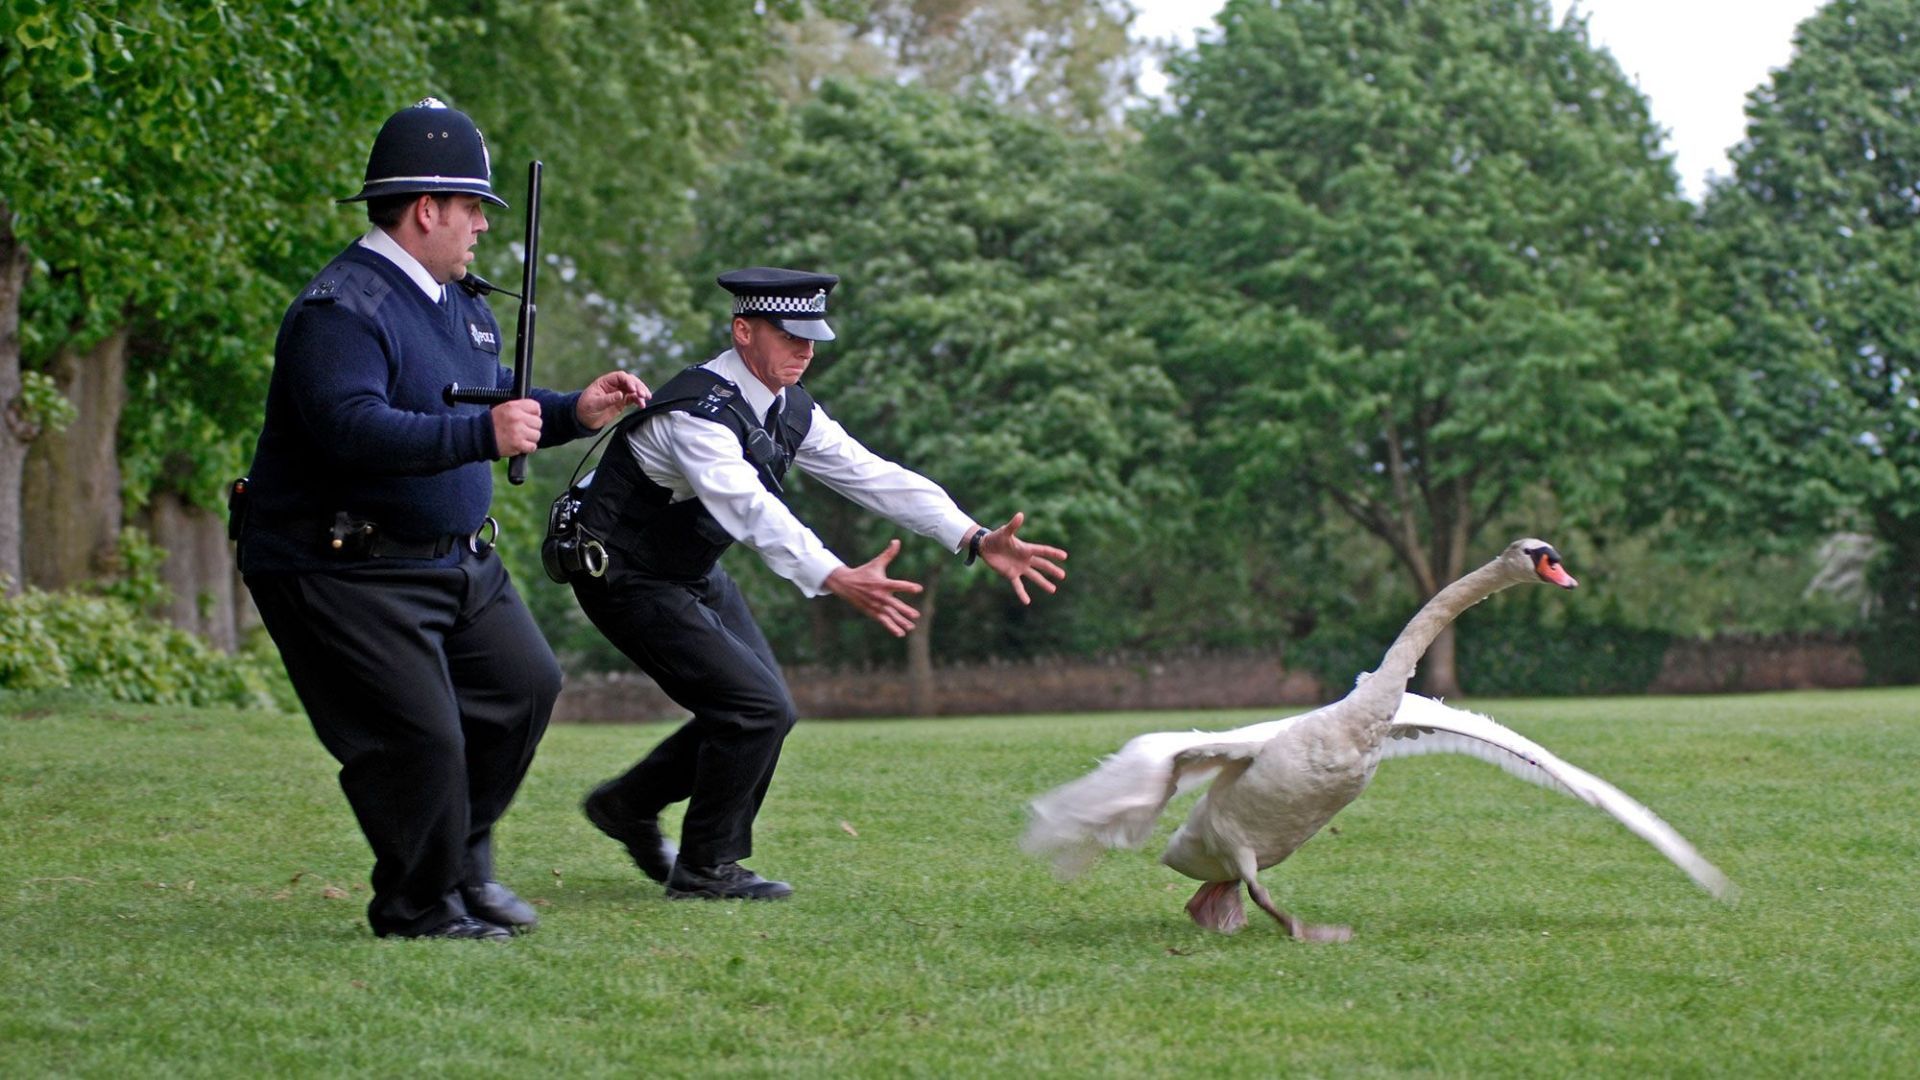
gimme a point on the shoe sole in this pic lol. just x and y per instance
(695, 894)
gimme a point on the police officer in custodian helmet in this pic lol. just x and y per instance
(684, 479)
(365, 541)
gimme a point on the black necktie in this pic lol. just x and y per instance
(773, 414)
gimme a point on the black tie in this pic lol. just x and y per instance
(773, 414)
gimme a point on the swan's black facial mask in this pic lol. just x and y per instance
(1546, 563)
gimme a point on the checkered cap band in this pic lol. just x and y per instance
(781, 305)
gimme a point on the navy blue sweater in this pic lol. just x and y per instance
(355, 419)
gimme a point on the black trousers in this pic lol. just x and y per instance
(431, 688)
(700, 643)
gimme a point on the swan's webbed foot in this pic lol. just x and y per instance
(1297, 929)
(1217, 907)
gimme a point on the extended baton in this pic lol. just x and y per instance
(523, 336)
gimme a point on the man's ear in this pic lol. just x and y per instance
(742, 331)
(426, 211)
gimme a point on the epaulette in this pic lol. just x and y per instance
(715, 402)
(345, 283)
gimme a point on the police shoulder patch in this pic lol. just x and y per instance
(326, 290)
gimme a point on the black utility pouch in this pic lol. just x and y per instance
(350, 537)
(237, 501)
(569, 548)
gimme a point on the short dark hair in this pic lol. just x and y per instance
(387, 211)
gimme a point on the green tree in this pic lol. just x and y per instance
(158, 176)
(1817, 236)
(1423, 261)
(1069, 60)
(628, 106)
(981, 335)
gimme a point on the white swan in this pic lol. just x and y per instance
(1277, 783)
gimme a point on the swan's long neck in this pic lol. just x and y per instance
(1389, 681)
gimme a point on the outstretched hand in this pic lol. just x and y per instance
(1019, 561)
(608, 396)
(868, 588)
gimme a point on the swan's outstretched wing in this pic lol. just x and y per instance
(1117, 803)
(1425, 726)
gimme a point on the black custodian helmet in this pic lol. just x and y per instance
(428, 148)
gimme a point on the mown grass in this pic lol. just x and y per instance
(181, 893)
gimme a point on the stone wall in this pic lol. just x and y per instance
(1724, 665)
(1739, 663)
(1195, 682)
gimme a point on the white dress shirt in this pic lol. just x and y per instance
(696, 458)
(377, 240)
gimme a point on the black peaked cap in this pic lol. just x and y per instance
(794, 300)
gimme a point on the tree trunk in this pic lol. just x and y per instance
(71, 491)
(198, 568)
(1439, 675)
(14, 437)
(923, 694)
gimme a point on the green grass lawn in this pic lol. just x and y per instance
(182, 893)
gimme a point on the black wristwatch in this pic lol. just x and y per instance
(973, 545)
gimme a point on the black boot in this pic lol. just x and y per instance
(727, 881)
(495, 903)
(464, 928)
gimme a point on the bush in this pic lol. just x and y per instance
(1519, 645)
(1575, 658)
(103, 644)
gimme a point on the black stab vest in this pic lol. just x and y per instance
(637, 519)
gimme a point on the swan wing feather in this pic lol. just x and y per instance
(1425, 726)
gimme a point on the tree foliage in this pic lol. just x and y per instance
(1819, 234)
(980, 322)
(162, 163)
(1424, 251)
(627, 105)
(1069, 60)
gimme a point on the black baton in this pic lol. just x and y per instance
(523, 337)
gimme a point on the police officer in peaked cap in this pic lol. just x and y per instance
(700, 469)
(365, 540)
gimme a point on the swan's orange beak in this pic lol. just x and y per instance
(1549, 569)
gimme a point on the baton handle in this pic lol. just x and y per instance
(455, 394)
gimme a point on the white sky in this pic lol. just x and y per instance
(1695, 60)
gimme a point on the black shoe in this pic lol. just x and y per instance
(728, 881)
(653, 853)
(495, 903)
(465, 928)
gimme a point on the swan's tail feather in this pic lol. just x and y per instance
(1425, 726)
(1113, 806)
(1117, 804)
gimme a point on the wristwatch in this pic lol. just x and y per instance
(973, 545)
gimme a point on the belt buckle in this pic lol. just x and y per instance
(484, 547)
